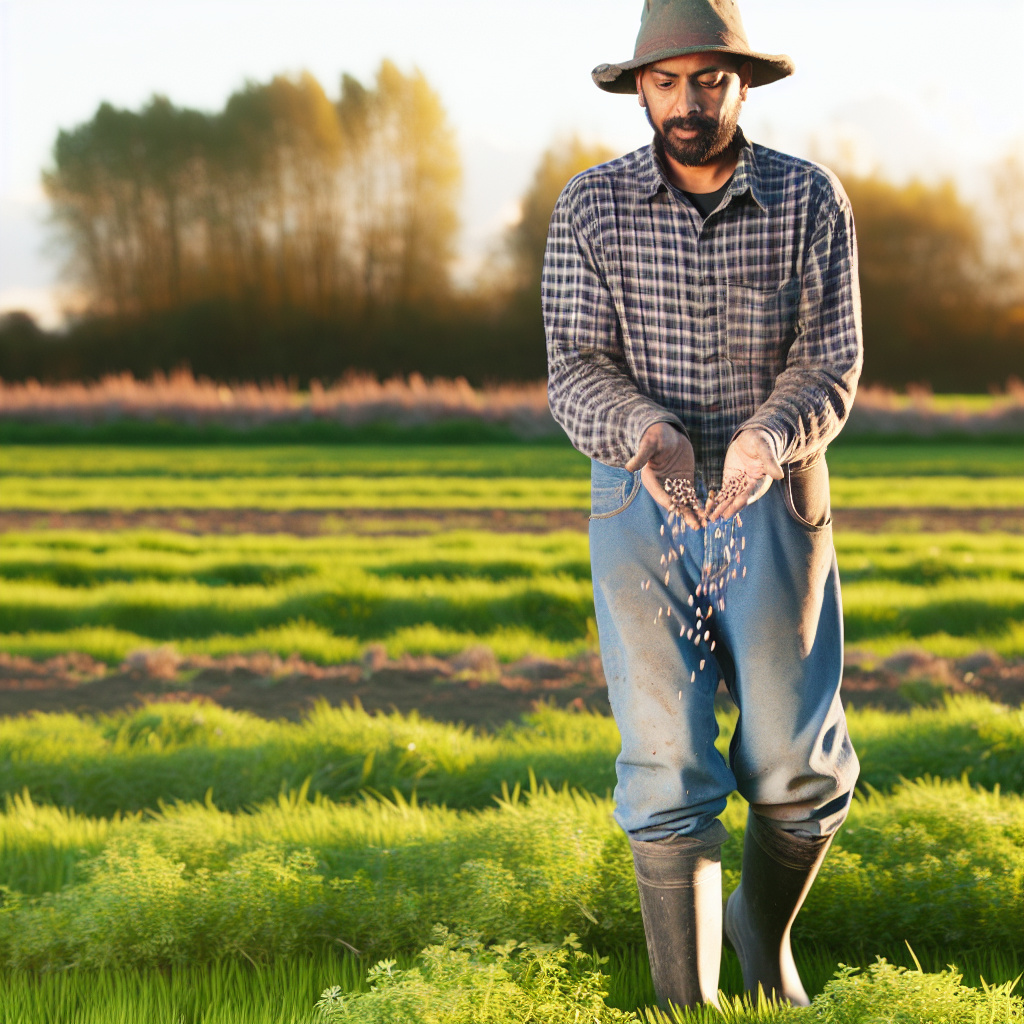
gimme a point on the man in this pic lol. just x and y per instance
(703, 324)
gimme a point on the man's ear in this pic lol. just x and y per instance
(746, 77)
(641, 98)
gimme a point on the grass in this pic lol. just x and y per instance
(328, 597)
(191, 883)
(131, 761)
(231, 907)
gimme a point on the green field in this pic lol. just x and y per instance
(183, 863)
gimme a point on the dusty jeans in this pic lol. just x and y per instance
(778, 645)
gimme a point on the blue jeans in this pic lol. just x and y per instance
(778, 645)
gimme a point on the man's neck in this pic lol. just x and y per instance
(709, 177)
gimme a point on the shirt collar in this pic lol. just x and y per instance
(746, 177)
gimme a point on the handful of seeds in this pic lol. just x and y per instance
(684, 497)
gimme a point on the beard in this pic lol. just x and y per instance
(713, 137)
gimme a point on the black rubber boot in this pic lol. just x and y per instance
(778, 872)
(680, 883)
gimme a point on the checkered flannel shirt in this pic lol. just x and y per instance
(750, 318)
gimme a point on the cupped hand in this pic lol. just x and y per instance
(665, 453)
(750, 458)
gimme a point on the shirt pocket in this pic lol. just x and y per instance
(761, 324)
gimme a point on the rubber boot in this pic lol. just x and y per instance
(778, 871)
(680, 883)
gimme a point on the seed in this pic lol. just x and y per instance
(680, 694)
(744, 570)
(668, 612)
(710, 610)
(699, 624)
(689, 600)
(743, 543)
(712, 645)
(666, 579)
(739, 522)
(663, 529)
(662, 560)
(734, 574)
(682, 630)
(702, 664)
(660, 610)
(693, 677)
(707, 635)
(689, 633)
(696, 640)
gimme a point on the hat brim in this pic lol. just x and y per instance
(619, 78)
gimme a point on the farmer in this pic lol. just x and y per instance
(703, 324)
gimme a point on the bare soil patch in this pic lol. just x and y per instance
(317, 522)
(471, 688)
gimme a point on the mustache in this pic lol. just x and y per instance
(690, 123)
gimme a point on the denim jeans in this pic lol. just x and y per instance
(778, 645)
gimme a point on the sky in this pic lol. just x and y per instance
(924, 88)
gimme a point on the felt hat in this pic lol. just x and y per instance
(671, 28)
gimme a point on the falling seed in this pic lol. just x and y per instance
(710, 610)
(707, 635)
(680, 694)
(689, 600)
(744, 570)
(662, 560)
(702, 664)
(666, 579)
(693, 676)
(682, 630)
(739, 522)
(712, 645)
(734, 574)
(668, 612)
(663, 529)
(721, 606)
(696, 640)
(689, 633)
(699, 624)
(743, 543)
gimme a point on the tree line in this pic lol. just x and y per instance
(292, 234)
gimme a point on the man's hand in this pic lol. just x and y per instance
(751, 455)
(665, 453)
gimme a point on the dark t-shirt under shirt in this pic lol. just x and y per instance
(706, 202)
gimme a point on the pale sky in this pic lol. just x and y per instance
(920, 87)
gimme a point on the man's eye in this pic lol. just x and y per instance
(712, 82)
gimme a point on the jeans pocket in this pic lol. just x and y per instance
(807, 495)
(611, 490)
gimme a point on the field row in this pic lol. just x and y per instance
(135, 760)
(552, 461)
(326, 598)
(69, 494)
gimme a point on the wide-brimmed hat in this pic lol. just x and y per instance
(671, 28)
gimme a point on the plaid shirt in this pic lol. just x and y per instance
(748, 319)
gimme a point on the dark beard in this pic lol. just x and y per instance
(712, 140)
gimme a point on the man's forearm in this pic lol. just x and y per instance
(599, 406)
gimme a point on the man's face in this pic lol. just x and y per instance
(694, 103)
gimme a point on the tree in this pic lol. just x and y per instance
(283, 201)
